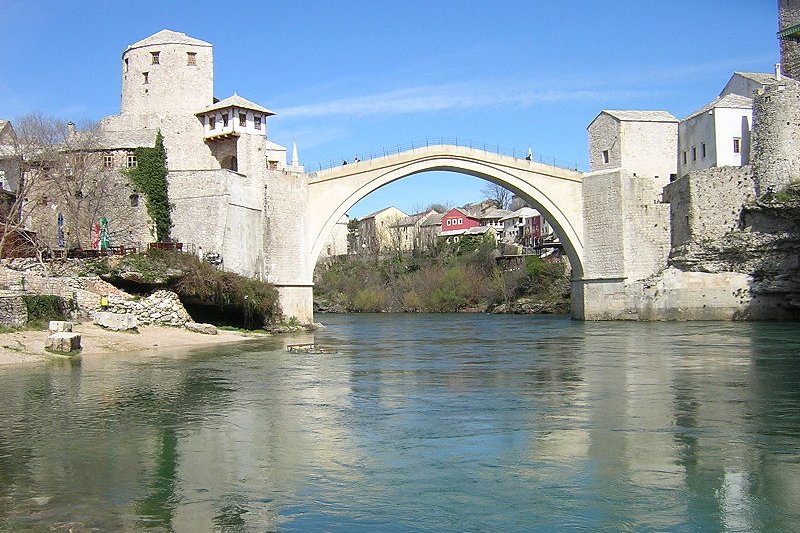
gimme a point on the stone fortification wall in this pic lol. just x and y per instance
(649, 150)
(220, 211)
(788, 16)
(285, 247)
(646, 228)
(604, 134)
(776, 136)
(706, 204)
(604, 253)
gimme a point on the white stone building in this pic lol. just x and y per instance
(642, 142)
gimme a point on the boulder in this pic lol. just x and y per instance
(57, 326)
(207, 329)
(63, 342)
(116, 321)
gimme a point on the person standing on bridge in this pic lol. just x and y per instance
(529, 157)
(356, 159)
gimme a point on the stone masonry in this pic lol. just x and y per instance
(776, 136)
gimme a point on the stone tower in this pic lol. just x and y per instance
(168, 73)
(776, 136)
(789, 35)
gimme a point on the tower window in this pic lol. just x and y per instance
(243, 119)
(131, 161)
(605, 156)
(224, 120)
(191, 58)
(126, 64)
(684, 157)
(737, 145)
(108, 161)
(134, 200)
(703, 150)
(694, 153)
(212, 122)
(155, 57)
(257, 122)
(146, 77)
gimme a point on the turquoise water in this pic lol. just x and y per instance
(418, 423)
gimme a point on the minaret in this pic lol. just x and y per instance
(295, 166)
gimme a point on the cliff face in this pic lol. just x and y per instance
(766, 247)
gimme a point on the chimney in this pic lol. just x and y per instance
(778, 72)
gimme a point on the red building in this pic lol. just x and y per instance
(458, 219)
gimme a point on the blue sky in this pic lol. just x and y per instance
(347, 77)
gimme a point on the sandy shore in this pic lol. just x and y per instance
(28, 346)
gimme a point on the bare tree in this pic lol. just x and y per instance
(66, 186)
(498, 194)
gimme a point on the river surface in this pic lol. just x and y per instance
(418, 423)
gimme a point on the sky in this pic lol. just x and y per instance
(351, 77)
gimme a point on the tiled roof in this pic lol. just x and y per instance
(730, 101)
(168, 37)
(641, 116)
(494, 213)
(763, 78)
(379, 211)
(236, 101)
(411, 220)
(523, 212)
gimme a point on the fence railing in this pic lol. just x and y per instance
(379, 153)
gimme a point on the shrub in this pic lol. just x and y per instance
(371, 300)
(43, 308)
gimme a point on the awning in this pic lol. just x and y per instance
(792, 33)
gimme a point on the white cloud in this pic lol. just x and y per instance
(450, 97)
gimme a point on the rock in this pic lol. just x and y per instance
(115, 321)
(63, 342)
(207, 329)
(59, 326)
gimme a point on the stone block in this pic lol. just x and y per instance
(57, 326)
(116, 321)
(63, 342)
(207, 329)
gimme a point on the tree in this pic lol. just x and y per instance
(66, 184)
(498, 194)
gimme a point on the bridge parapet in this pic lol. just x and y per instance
(448, 151)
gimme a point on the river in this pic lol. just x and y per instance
(418, 423)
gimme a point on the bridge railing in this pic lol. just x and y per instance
(384, 152)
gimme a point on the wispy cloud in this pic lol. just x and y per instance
(450, 97)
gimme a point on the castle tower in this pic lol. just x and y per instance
(167, 73)
(789, 35)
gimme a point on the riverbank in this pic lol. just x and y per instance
(27, 346)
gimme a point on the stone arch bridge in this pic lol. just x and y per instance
(560, 194)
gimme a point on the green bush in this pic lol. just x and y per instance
(371, 300)
(43, 308)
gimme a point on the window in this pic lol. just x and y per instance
(694, 153)
(460, 220)
(449, 222)
(134, 200)
(126, 64)
(155, 57)
(212, 122)
(737, 145)
(257, 122)
(146, 77)
(108, 161)
(243, 119)
(684, 157)
(703, 150)
(224, 120)
(131, 160)
(605, 156)
(191, 58)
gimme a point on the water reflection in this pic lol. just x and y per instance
(435, 423)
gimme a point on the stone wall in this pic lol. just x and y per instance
(788, 16)
(604, 251)
(162, 308)
(705, 204)
(13, 312)
(776, 136)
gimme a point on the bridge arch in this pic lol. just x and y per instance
(555, 192)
